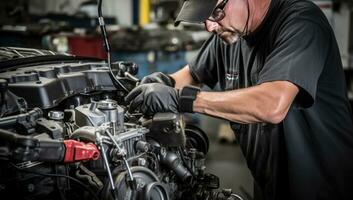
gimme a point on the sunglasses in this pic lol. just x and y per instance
(218, 13)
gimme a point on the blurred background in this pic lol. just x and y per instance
(142, 31)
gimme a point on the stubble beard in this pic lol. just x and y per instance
(228, 36)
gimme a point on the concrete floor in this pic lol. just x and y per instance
(225, 159)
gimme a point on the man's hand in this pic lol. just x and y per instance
(159, 77)
(153, 98)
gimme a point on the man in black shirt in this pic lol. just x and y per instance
(280, 70)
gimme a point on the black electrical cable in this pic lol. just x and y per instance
(107, 46)
(60, 176)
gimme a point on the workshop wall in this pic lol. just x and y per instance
(120, 9)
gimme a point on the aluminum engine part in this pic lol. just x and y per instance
(97, 113)
(127, 139)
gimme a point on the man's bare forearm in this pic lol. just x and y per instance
(268, 102)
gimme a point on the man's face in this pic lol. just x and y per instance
(232, 26)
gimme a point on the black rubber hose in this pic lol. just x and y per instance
(13, 138)
(185, 163)
(172, 161)
(12, 120)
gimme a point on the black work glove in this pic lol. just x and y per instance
(153, 98)
(158, 77)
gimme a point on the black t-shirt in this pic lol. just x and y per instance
(309, 155)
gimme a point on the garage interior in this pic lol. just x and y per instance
(143, 32)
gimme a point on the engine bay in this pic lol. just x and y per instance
(66, 133)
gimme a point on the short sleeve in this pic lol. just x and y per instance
(299, 56)
(203, 67)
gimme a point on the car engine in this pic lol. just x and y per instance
(66, 133)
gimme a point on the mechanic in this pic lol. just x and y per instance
(283, 89)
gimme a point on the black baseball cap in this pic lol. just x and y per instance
(195, 11)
